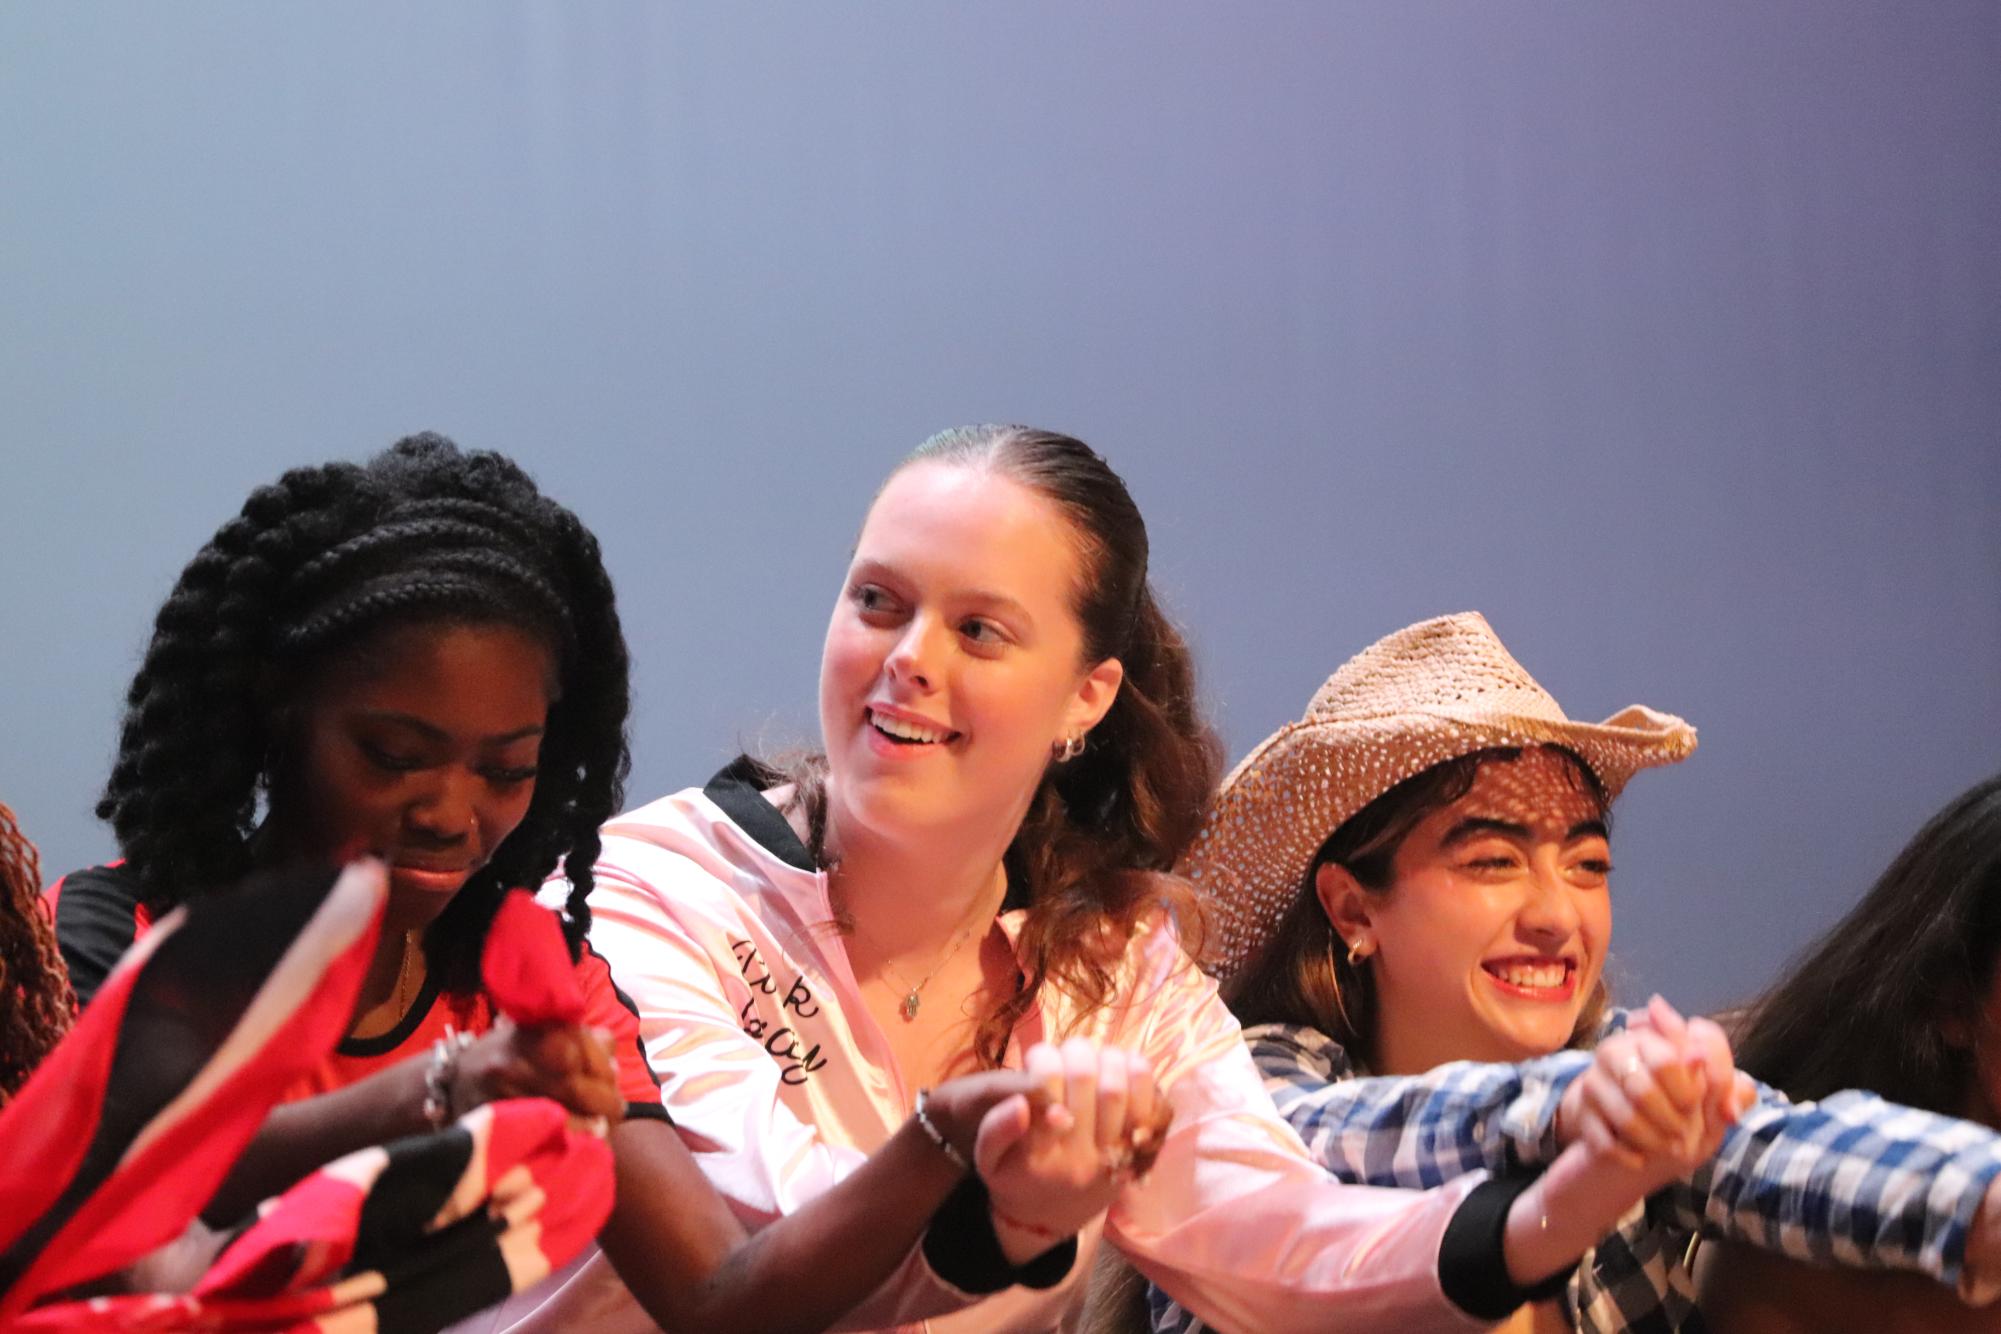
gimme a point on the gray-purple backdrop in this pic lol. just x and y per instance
(1666, 335)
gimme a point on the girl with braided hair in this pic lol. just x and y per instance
(35, 1001)
(420, 657)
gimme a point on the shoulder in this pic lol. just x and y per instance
(99, 912)
(723, 832)
(112, 883)
(1150, 957)
(1294, 1051)
(689, 878)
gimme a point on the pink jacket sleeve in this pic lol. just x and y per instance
(1235, 1221)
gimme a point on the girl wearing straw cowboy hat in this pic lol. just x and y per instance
(1416, 873)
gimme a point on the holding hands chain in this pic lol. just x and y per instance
(1650, 1110)
(1054, 1141)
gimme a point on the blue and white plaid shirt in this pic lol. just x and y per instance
(1849, 1180)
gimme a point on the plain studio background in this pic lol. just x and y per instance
(1666, 336)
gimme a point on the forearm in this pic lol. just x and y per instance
(1562, 1214)
(299, 1137)
(1852, 1178)
(1423, 1130)
(680, 1250)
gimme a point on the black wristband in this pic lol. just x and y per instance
(961, 1248)
(1473, 1257)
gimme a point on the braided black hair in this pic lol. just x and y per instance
(315, 563)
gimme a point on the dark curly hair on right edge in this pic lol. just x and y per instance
(316, 564)
(1889, 998)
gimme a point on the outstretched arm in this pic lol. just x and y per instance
(678, 1247)
(1416, 1131)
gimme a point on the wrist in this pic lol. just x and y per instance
(1497, 1253)
(1568, 1108)
(1021, 1239)
(1980, 1265)
(1530, 1253)
(442, 1102)
(924, 1115)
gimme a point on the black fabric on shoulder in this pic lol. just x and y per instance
(384, 1043)
(1472, 1255)
(96, 922)
(647, 1111)
(961, 1248)
(735, 789)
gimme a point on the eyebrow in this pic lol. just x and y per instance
(434, 733)
(1475, 826)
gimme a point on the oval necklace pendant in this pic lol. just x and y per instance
(909, 1007)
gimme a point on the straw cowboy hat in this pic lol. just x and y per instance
(1427, 694)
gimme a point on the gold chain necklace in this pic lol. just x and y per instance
(913, 996)
(404, 994)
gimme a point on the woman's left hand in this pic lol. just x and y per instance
(1053, 1167)
(564, 1062)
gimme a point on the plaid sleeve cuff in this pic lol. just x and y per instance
(1856, 1181)
(1529, 1122)
(1956, 1194)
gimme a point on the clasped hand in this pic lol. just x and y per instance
(567, 1063)
(1055, 1140)
(1657, 1097)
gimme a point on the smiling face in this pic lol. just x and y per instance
(1492, 933)
(420, 746)
(954, 658)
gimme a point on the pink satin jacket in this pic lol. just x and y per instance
(719, 931)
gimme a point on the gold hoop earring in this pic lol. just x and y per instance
(1357, 952)
(1340, 1001)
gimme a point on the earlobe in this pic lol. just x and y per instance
(1346, 905)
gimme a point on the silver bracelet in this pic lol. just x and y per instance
(930, 1128)
(439, 1074)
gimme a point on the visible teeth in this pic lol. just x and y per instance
(904, 731)
(1531, 974)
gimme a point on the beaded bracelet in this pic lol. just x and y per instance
(931, 1129)
(440, 1073)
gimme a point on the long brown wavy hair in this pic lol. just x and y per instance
(1092, 854)
(1300, 977)
(36, 1004)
